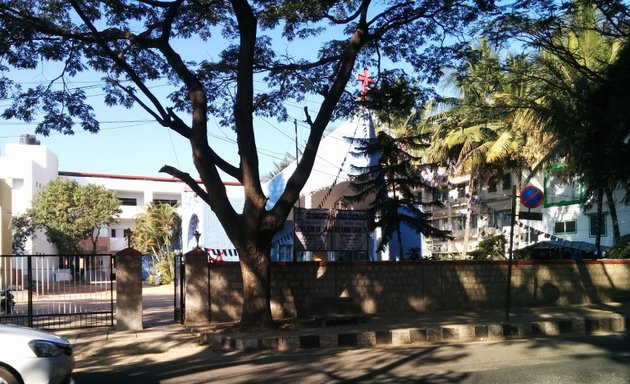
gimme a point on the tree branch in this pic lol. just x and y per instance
(305, 165)
(119, 60)
(186, 178)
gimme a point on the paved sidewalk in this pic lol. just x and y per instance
(161, 336)
(163, 339)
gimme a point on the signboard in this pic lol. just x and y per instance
(531, 197)
(326, 230)
(530, 216)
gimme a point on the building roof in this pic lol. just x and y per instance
(334, 162)
(131, 177)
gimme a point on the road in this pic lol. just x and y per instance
(592, 359)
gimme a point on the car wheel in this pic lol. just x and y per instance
(7, 377)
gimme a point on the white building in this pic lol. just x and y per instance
(27, 167)
(565, 216)
(328, 184)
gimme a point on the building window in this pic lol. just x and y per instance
(461, 190)
(459, 223)
(170, 202)
(129, 201)
(492, 185)
(113, 232)
(560, 188)
(565, 226)
(506, 181)
(441, 224)
(593, 223)
(440, 195)
(499, 219)
(285, 253)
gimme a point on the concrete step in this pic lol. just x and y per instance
(369, 338)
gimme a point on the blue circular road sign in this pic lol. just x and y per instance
(531, 196)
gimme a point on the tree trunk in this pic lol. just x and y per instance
(400, 244)
(517, 210)
(398, 223)
(613, 214)
(256, 274)
(598, 221)
(469, 209)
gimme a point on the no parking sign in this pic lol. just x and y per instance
(531, 196)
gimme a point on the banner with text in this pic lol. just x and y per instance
(326, 230)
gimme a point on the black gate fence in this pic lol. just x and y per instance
(57, 291)
(178, 288)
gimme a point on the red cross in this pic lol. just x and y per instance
(365, 82)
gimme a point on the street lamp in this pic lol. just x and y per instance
(197, 236)
(127, 234)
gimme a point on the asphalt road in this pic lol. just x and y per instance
(593, 359)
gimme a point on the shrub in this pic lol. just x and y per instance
(621, 250)
(492, 248)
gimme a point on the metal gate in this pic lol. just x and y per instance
(58, 291)
(178, 291)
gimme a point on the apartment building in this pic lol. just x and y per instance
(564, 215)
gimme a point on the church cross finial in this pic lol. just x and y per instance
(365, 82)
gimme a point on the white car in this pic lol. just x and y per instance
(29, 356)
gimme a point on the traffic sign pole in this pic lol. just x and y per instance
(508, 287)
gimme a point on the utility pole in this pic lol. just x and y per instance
(508, 287)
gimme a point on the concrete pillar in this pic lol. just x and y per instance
(5, 232)
(196, 288)
(129, 290)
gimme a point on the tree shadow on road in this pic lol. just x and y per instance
(376, 365)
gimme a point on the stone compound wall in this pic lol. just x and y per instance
(388, 287)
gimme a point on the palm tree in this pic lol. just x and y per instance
(471, 130)
(394, 185)
(575, 53)
(156, 232)
(490, 126)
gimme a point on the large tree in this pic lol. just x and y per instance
(395, 185)
(132, 43)
(70, 213)
(578, 45)
(470, 133)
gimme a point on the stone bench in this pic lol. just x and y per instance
(327, 309)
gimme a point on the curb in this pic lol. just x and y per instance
(421, 336)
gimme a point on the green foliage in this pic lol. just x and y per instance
(22, 230)
(165, 270)
(621, 250)
(157, 232)
(393, 186)
(396, 97)
(580, 51)
(134, 43)
(492, 248)
(413, 253)
(447, 256)
(70, 213)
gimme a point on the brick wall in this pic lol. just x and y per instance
(426, 286)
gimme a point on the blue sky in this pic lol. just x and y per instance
(131, 143)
